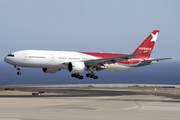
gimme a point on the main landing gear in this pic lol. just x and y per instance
(77, 76)
(90, 75)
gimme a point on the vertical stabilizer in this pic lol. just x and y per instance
(147, 45)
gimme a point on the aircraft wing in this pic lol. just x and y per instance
(150, 60)
(111, 60)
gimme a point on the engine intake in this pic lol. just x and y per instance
(76, 67)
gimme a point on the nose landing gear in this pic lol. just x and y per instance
(18, 68)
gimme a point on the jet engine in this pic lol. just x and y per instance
(50, 70)
(76, 67)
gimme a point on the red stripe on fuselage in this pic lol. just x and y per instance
(103, 55)
(109, 55)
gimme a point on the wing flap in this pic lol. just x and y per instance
(150, 60)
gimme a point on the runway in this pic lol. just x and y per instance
(89, 103)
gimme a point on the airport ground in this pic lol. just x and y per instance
(90, 102)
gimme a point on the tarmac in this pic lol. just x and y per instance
(89, 102)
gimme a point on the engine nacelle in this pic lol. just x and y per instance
(76, 67)
(50, 70)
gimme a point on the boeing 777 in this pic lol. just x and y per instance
(78, 62)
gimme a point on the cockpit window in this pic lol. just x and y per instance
(11, 55)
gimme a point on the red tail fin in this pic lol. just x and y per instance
(147, 45)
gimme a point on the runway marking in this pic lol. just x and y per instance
(132, 101)
(152, 94)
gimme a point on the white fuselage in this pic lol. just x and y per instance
(54, 59)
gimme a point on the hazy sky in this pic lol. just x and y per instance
(89, 25)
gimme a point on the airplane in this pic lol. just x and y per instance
(78, 62)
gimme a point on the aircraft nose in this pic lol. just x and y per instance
(6, 59)
(9, 58)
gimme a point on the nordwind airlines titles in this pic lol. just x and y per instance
(78, 62)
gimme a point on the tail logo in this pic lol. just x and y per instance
(154, 37)
(145, 48)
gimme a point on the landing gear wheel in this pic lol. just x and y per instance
(18, 73)
(80, 77)
(76, 76)
(91, 76)
(73, 75)
(88, 75)
(95, 77)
